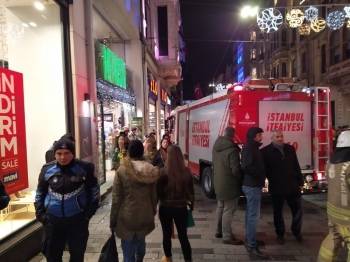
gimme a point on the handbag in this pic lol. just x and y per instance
(109, 251)
(190, 220)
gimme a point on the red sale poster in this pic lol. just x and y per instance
(13, 149)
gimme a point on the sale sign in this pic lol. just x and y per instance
(293, 118)
(13, 150)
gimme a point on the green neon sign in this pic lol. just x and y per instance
(114, 68)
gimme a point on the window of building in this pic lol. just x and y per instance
(294, 68)
(254, 73)
(304, 62)
(284, 37)
(284, 69)
(335, 47)
(252, 36)
(253, 54)
(136, 13)
(294, 37)
(323, 59)
(163, 30)
(262, 70)
(277, 68)
(148, 22)
(346, 45)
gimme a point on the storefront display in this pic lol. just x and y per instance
(32, 101)
(152, 100)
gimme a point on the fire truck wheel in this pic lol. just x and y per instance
(208, 183)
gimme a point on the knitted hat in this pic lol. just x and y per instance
(135, 149)
(64, 143)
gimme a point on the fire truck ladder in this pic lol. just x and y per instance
(322, 126)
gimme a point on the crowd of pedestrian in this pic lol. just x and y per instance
(68, 194)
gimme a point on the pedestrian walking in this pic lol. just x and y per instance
(161, 155)
(133, 135)
(227, 183)
(134, 202)
(175, 192)
(66, 198)
(338, 209)
(285, 183)
(253, 182)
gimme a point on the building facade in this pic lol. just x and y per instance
(315, 59)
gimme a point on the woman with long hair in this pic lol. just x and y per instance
(175, 192)
(161, 155)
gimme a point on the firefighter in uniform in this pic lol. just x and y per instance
(338, 204)
(121, 147)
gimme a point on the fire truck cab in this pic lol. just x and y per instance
(303, 114)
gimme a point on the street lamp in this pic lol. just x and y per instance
(249, 11)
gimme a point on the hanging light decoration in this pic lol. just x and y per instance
(335, 20)
(348, 24)
(295, 18)
(304, 29)
(269, 20)
(347, 11)
(318, 24)
(311, 13)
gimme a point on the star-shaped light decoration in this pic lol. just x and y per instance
(269, 20)
(335, 20)
(295, 18)
(347, 11)
(311, 13)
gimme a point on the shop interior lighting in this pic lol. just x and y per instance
(44, 16)
(33, 24)
(335, 20)
(25, 25)
(318, 24)
(39, 5)
(311, 13)
(86, 97)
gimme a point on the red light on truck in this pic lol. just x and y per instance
(319, 176)
(238, 88)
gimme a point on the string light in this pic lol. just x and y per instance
(347, 11)
(304, 29)
(311, 13)
(269, 20)
(318, 24)
(109, 93)
(295, 18)
(335, 20)
(11, 32)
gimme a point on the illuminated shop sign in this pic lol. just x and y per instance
(163, 96)
(153, 89)
(114, 68)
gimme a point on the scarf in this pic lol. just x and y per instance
(279, 147)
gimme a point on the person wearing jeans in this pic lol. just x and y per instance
(227, 184)
(134, 202)
(253, 182)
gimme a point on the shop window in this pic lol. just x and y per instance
(284, 69)
(335, 47)
(36, 51)
(163, 30)
(346, 45)
(323, 59)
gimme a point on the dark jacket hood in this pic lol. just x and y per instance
(252, 132)
(223, 142)
(340, 155)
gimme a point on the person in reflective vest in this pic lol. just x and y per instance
(338, 204)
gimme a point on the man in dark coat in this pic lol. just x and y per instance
(227, 184)
(285, 183)
(253, 182)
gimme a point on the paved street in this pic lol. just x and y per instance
(204, 245)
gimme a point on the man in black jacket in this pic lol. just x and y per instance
(253, 182)
(285, 183)
(66, 198)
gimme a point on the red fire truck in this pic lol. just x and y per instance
(303, 116)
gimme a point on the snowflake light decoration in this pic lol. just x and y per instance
(304, 29)
(335, 20)
(295, 18)
(318, 24)
(13, 33)
(311, 13)
(347, 11)
(269, 20)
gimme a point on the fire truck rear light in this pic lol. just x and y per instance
(238, 88)
(319, 176)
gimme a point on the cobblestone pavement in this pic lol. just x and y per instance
(205, 247)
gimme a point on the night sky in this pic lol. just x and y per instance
(208, 25)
